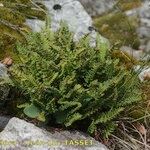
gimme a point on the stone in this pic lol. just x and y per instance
(21, 135)
(1, 5)
(35, 24)
(143, 30)
(97, 7)
(147, 49)
(137, 54)
(73, 14)
(4, 89)
(7, 61)
(3, 122)
(144, 73)
(132, 12)
(147, 76)
(3, 71)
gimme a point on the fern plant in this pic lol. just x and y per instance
(72, 82)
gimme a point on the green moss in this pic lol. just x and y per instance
(12, 18)
(27, 9)
(118, 28)
(16, 1)
(125, 5)
(7, 47)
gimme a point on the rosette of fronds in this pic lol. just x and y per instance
(73, 83)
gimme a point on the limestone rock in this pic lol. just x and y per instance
(3, 122)
(97, 7)
(35, 24)
(1, 5)
(144, 73)
(137, 54)
(144, 29)
(3, 71)
(143, 13)
(147, 76)
(4, 89)
(73, 14)
(21, 135)
(148, 47)
(70, 12)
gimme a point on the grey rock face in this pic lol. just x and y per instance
(21, 135)
(144, 72)
(70, 12)
(143, 30)
(137, 54)
(3, 71)
(4, 89)
(35, 24)
(144, 14)
(73, 14)
(134, 53)
(97, 7)
(148, 47)
(3, 122)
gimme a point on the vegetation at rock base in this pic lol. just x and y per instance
(134, 128)
(125, 5)
(13, 14)
(70, 83)
(118, 28)
(126, 60)
(141, 109)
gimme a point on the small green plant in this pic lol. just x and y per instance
(73, 83)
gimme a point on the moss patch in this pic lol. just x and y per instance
(125, 5)
(118, 28)
(13, 15)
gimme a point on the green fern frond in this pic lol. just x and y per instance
(72, 82)
(71, 119)
(110, 128)
(111, 114)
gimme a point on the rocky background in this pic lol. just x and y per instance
(138, 13)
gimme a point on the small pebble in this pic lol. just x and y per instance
(7, 61)
(1, 5)
(146, 76)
